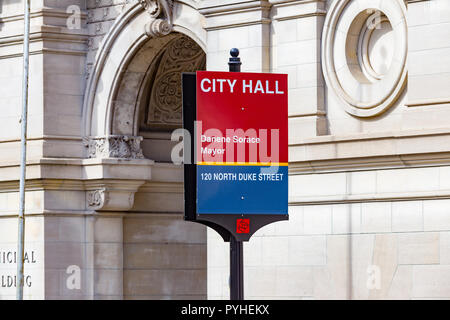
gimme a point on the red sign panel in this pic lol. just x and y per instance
(242, 143)
(242, 118)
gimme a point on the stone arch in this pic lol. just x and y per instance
(148, 101)
(131, 37)
(143, 197)
(149, 92)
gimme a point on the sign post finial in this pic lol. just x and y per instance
(235, 62)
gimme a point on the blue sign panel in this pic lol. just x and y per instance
(241, 144)
(225, 189)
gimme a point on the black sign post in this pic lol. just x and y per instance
(236, 246)
(227, 225)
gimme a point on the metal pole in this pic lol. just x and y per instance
(236, 269)
(23, 159)
(236, 246)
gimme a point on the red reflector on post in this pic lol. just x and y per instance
(243, 226)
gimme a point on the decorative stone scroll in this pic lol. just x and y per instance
(110, 199)
(115, 146)
(162, 13)
(364, 53)
(96, 199)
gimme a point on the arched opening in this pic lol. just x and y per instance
(148, 101)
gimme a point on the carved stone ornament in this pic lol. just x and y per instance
(181, 55)
(115, 146)
(96, 199)
(111, 199)
(162, 12)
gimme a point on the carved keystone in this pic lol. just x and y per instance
(162, 13)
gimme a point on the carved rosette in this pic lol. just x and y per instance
(161, 12)
(115, 146)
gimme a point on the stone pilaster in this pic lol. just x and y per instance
(241, 24)
(296, 50)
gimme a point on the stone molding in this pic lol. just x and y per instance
(213, 7)
(370, 151)
(110, 185)
(368, 198)
(107, 184)
(296, 9)
(47, 38)
(114, 146)
(257, 12)
(235, 14)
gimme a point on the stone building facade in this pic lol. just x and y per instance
(369, 155)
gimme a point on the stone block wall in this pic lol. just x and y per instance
(369, 197)
(369, 209)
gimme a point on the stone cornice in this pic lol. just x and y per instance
(313, 155)
(220, 15)
(43, 12)
(47, 33)
(109, 185)
(45, 37)
(282, 3)
(371, 151)
(213, 7)
(373, 136)
(370, 163)
(286, 10)
(93, 169)
(44, 27)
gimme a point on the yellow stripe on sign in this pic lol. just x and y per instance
(263, 164)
